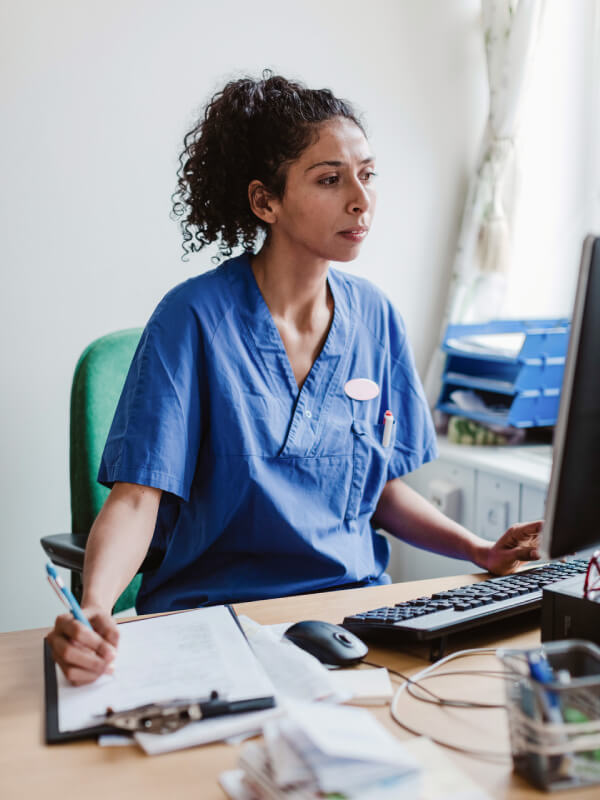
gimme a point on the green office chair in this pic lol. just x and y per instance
(97, 383)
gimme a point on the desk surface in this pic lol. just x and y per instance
(28, 768)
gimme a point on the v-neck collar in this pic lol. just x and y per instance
(307, 410)
(268, 340)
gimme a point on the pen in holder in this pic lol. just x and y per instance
(553, 704)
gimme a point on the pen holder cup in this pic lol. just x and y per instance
(555, 727)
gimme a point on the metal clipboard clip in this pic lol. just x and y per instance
(171, 715)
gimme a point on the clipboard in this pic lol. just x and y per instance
(53, 734)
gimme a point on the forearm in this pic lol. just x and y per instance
(406, 514)
(118, 542)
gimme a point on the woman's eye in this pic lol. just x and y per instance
(329, 180)
(368, 176)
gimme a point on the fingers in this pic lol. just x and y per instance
(530, 527)
(106, 627)
(526, 553)
(82, 654)
(519, 543)
(536, 527)
(521, 529)
(521, 533)
(76, 661)
(70, 628)
(79, 677)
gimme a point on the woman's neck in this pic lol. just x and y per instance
(294, 288)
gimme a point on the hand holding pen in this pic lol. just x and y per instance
(84, 641)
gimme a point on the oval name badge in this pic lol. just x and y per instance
(361, 389)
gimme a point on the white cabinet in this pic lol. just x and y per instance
(533, 502)
(439, 481)
(496, 504)
(486, 489)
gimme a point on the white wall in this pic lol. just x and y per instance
(96, 97)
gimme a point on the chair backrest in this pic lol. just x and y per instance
(97, 383)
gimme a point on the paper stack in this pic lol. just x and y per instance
(318, 750)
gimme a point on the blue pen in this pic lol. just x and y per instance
(66, 595)
(541, 671)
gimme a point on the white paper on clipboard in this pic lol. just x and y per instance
(184, 655)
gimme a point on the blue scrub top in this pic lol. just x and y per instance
(267, 490)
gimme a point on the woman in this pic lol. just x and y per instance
(248, 442)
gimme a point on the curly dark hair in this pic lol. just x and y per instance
(251, 130)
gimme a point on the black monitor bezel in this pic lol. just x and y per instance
(558, 542)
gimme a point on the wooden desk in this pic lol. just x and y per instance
(30, 769)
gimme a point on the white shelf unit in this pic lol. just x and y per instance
(484, 488)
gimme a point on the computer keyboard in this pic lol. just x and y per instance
(465, 607)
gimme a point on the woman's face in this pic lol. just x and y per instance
(329, 199)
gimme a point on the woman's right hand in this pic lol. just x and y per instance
(83, 654)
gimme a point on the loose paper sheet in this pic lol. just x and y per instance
(364, 686)
(293, 672)
(176, 656)
(499, 344)
(209, 730)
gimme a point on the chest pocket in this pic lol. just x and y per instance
(370, 460)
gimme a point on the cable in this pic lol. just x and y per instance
(452, 703)
(422, 675)
(405, 678)
(443, 701)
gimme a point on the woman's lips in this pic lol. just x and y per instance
(354, 234)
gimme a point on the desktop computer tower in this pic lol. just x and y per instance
(567, 614)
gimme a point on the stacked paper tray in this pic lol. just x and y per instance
(514, 367)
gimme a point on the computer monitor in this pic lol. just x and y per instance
(573, 506)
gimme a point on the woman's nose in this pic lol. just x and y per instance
(359, 199)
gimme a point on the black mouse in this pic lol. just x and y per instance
(330, 643)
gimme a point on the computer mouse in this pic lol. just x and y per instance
(330, 643)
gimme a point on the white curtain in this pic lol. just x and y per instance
(478, 282)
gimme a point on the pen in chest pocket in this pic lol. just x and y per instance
(388, 426)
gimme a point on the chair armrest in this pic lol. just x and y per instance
(65, 549)
(68, 549)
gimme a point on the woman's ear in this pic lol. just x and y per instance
(261, 202)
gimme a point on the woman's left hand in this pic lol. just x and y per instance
(520, 543)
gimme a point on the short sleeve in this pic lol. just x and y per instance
(155, 435)
(415, 440)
